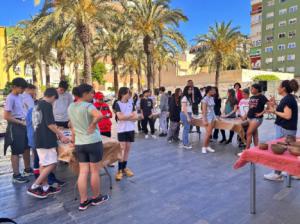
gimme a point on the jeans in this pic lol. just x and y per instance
(145, 122)
(163, 122)
(173, 132)
(186, 128)
(36, 167)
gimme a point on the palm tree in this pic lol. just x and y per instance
(219, 48)
(153, 19)
(83, 19)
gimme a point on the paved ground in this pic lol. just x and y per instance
(171, 185)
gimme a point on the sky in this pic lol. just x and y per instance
(201, 14)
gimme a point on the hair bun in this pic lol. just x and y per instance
(294, 85)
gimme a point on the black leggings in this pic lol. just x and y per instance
(231, 134)
(145, 122)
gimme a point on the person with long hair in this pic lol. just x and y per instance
(286, 117)
(147, 106)
(238, 92)
(174, 115)
(231, 107)
(209, 116)
(84, 118)
(255, 114)
(217, 109)
(127, 117)
(186, 115)
(243, 109)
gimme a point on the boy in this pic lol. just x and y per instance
(16, 134)
(146, 110)
(60, 108)
(164, 108)
(28, 98)
(46, 133)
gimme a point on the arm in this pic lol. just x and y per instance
(235, 108)
(286, 114)
(97, 116)
(7, 116)
(204, 112)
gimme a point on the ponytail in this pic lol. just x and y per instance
(290, 86)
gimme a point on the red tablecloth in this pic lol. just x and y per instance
(286, 162)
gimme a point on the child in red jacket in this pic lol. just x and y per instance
(105, 124)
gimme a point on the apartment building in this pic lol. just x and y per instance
(280, 42)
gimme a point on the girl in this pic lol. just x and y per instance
(243, 111)
(209, 116)
(174, 115)
(255, 114)
(238, 92)
(84, 118)
(105, 124)
(286, 117)
(217, 109)
(126, 125)
(186, 115)
(231, 107)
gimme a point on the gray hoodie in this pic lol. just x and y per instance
(164, 103)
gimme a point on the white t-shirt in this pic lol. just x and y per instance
(126, 109)
(188, 104)
(243, 107)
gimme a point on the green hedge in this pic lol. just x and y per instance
(265, 78)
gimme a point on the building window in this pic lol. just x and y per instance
(292, 34)
(269, 60)
(292, 45)
(281, 47)
(293, 21)
(282, 23)
(290, 69)
(270, 26)
(281, 35)
(281, 69)
(291, 57)
(270, 15)
(269, 49)
(281, 59)
(293, 9)
(269, 39)
(271, 3)
(281, 12)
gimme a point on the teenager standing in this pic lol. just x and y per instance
(147, 106)
(186, 115)
(174, 111)
(164, 108)
(84, 118)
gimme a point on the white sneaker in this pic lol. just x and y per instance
(204, 150)
(273, 177)
(146, 136)
(170, 141)
(187, 147)
(209, 149)
(239, 154)
(154, 136)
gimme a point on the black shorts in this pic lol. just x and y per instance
(107, 134)
(16, 138)
(62, 124)
(126, 136)
(90, 153)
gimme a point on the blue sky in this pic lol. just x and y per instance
(201, 13)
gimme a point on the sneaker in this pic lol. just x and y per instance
(119, 176)
(273, 177)
(170, 141)
(228, 142)
(222, 141)
(19, 179)
(187, 147)
(28, 172)
(204, 150)
(128, 172)
(154, 136)
(37, 193)
(209, 149)
(83, 206)
(146, 136)
(58, 183)
(99, 200)
(53, 190)
(162, 135)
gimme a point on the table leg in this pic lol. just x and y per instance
(289, 181)
(252, 189)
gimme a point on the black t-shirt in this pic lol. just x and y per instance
(42, 117)
(256, 105)
(147, 106)
(289, 101)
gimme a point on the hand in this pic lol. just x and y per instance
(258, 114)
(223, 116)
(271, 110)
(64, 140)
(23, 123)
(205, 123)
(91, 128)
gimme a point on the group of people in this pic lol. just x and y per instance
(39, 124)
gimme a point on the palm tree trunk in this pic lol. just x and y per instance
(159, 75)
(41, 72)
(84, 36)
(34, 78)
(62, 71)
(76, 70)
(116, 76)
(218, 70)
(47, 72)
(154, 75)
(131, 73)
(139, 75)
(147, 42)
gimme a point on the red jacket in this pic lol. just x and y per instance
(239, 95)
(105, 124)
